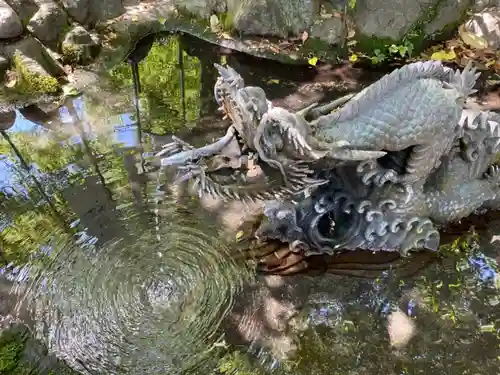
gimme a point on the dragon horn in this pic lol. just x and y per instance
(222, 71)
(346, 154)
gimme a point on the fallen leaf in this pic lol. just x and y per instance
(135, 18)
(313, 61)
(443, 55)
(475, 41)
(487, 328)
(214, 23)
(275, 81)
(11, 83)
(353, 57)
(239, 235)
(67, 69)
(162, 19)
(304, 37)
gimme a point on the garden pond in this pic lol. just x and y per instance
(107, 268)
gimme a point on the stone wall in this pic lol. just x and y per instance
(41, 41)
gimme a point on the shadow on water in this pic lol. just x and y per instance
(117, 271)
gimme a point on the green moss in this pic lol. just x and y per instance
(226, 21)
(30, 84)
(70, 53)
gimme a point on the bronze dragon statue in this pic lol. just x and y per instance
(383, 169)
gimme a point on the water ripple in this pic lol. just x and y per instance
(138, 306)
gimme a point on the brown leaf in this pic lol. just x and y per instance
(304, 37)
(68, 69)
(225, 36)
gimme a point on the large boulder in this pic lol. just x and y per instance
(486, 24)
(10, 23)
(393, 19)
(35, 70)
(479, 5)
(89, 12)
(449, 12)
(201, 8)
(48, 24)
(25, 9)
(389, 18)
(79, 46)
(330, 30)
(33, 54)
(280, 18)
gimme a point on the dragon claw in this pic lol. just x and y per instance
(386, 176)
(379, 176)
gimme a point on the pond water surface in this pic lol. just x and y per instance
(119, 272)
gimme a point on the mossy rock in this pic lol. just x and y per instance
(33, 73)
(30, 83)
(426, 31)
(79, 46)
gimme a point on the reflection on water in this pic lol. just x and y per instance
(125, 274)
(141, 305)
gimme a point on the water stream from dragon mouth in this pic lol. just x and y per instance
(127, 275)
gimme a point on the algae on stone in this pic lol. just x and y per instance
(31, 83)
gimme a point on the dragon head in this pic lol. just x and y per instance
(244, 105)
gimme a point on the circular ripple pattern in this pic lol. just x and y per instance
(145, 306)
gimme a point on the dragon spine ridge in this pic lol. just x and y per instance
(461, 81)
